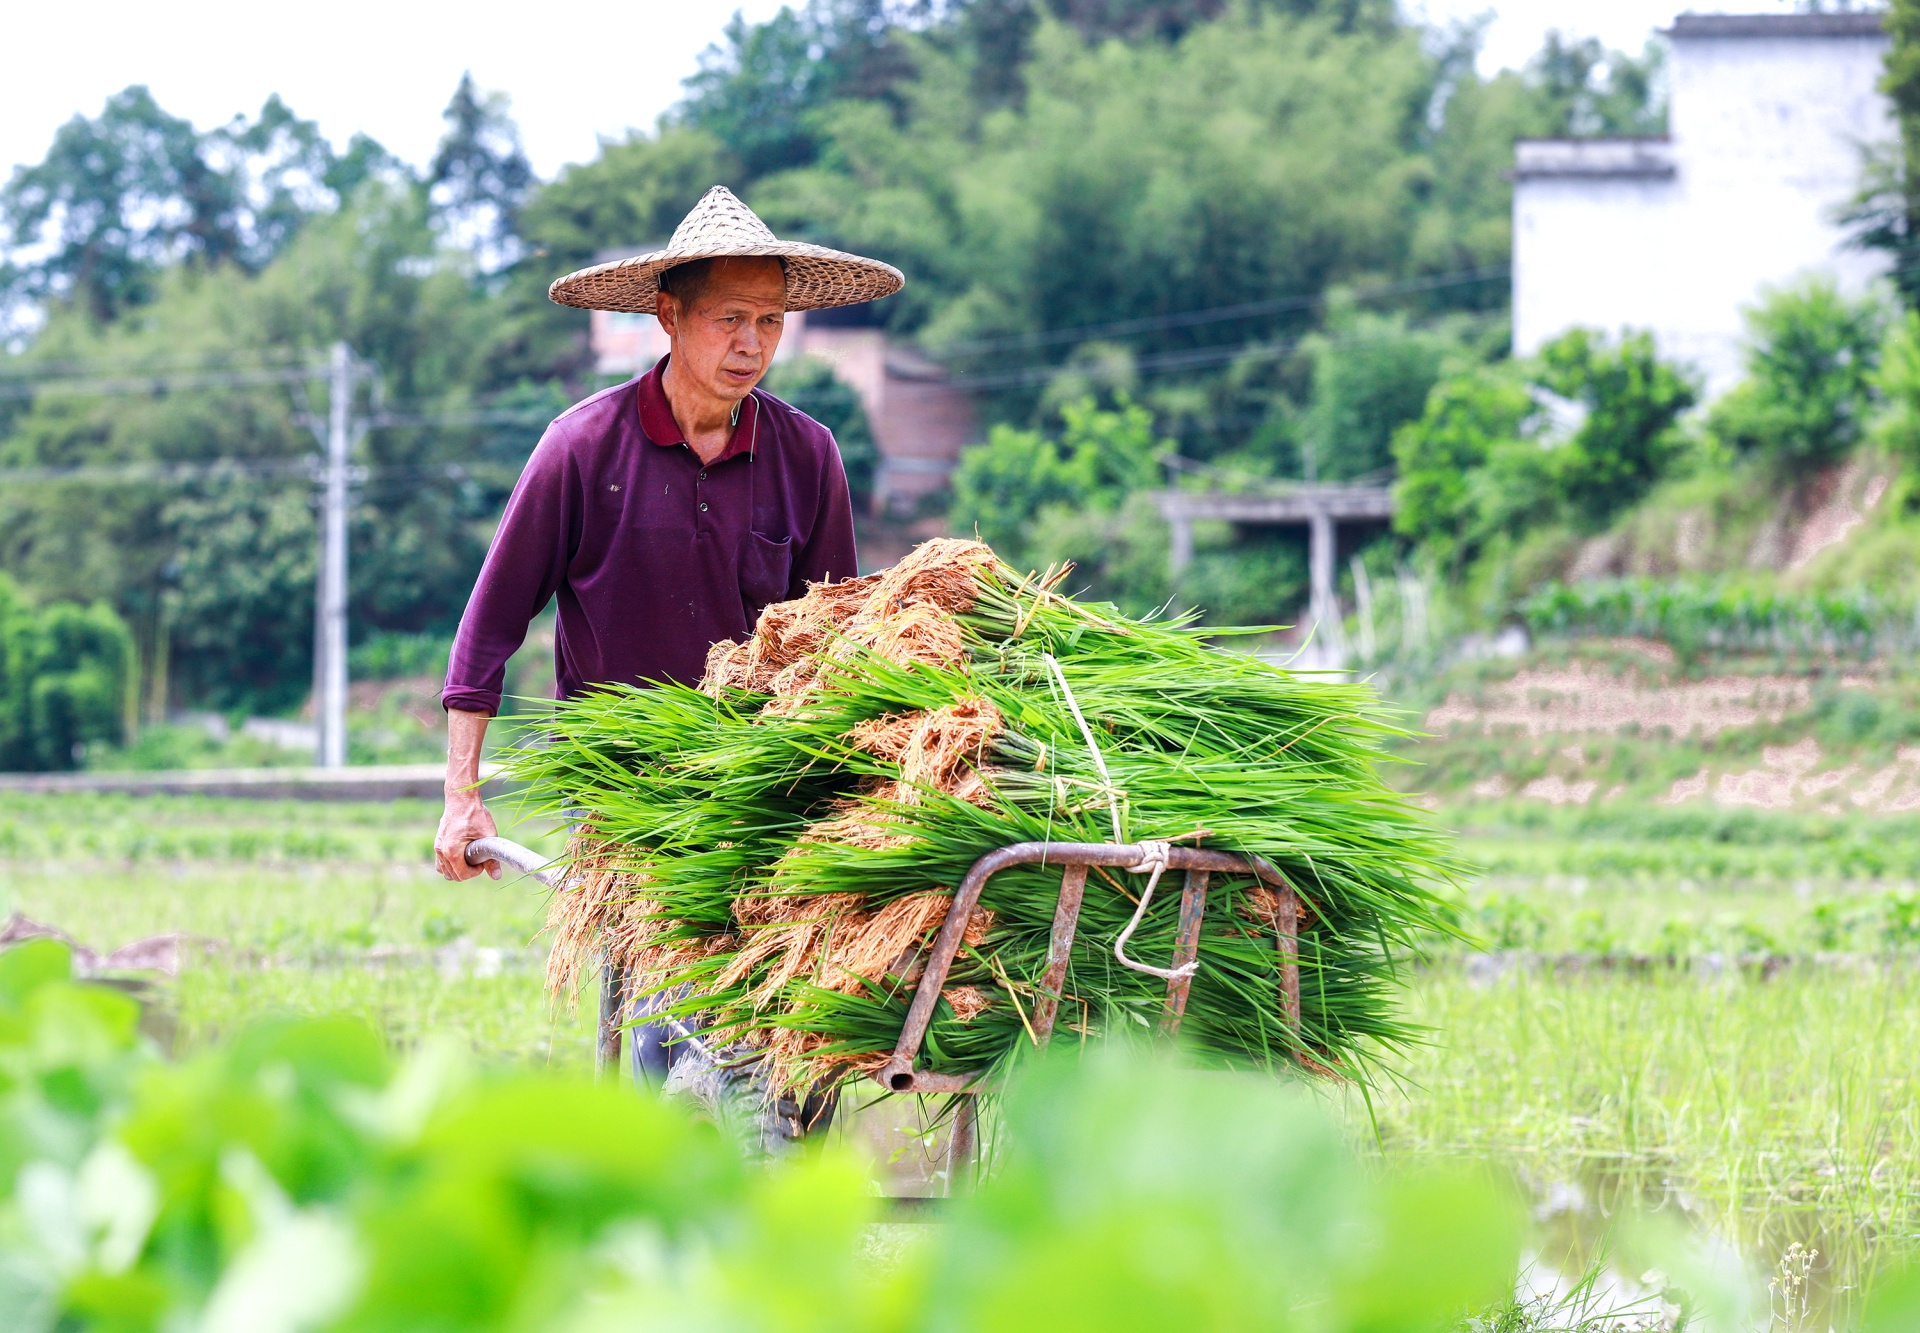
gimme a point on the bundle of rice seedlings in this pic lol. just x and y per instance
(775, 849)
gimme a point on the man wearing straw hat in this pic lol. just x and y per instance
(664, 513)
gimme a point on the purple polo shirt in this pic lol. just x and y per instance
(653, 557)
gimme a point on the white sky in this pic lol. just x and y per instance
(576, 70)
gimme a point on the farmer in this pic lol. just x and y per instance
(663, 513)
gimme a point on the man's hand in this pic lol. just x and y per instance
(465, 819)
(466, 816)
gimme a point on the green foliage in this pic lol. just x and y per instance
(1886, 211)
(479, 175)
(1574, 436)
(1371, 375)
(1001, 488)
(1585, 90)
(219, 564)
(633, 194)
(122, 196)
(1697, 617)
(1810, 360)
(394, 656)
(1897, 381)
(1036, 168)
(1260, 579)
(761, 93)
(63, 680)
(1256, 155)
(1442, 459)
(810, 385)
(1627, 440)
(295, 1179)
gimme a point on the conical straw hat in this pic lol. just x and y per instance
(719, 226)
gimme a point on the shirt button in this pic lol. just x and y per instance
(703, 506)
(703, 474)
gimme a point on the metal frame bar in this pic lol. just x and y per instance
(1075, 859)
(899, 1074)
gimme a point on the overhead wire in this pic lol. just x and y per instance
(1215, 314)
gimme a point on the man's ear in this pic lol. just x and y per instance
(666, 309)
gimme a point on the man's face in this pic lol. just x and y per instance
(724, 338)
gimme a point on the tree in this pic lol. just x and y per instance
(214, 568)
(1886, 212)
(1574, 437)
(633, 194)
(809, 384)
(480, 175)
(1098, 458)
(1467, 419)
(123, 196)
(63, 672)
(1583, 89)
(1371, 375)
(1627, 439)
(760, 90)
(1810, 359)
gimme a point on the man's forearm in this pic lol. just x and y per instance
(466, 741)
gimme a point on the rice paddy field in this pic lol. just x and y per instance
(1701, 1015)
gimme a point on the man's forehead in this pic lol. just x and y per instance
(754, 278)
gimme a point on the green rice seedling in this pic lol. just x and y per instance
(777, 847)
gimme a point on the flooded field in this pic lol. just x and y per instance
(1658, 1018)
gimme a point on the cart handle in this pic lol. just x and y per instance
(513, 856)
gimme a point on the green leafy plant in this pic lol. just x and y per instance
(1810, 359)
(298, 1179)
(1002, 487)
(63, 680)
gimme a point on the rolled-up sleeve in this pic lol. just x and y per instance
(829, 554)
(525, 565)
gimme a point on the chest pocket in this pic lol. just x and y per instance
(765, 567)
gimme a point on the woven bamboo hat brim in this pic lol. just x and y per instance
(720, 226)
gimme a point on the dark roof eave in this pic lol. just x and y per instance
(1688, 27)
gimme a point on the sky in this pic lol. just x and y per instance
(581, 71)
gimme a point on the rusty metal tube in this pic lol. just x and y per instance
(898, 1073)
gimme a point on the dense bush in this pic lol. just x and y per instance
(1002, 487)
(1371, 375)
(1810, 359)
(63, 680)
(1573, 436)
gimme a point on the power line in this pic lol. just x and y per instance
(1157, 363)
(23, 367)
(156, 384)
(1215, 314)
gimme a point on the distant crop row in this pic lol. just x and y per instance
(1702, 616)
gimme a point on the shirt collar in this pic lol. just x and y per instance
(658, 425)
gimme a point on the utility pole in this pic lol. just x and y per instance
(330, 603)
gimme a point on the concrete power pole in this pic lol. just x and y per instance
(330, 604)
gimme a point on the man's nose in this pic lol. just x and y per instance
(749, 342)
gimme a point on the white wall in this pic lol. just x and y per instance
(1767, 134)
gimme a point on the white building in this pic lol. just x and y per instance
(1769, 116)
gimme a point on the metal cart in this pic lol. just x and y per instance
(899, 1074)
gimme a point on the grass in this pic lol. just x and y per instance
(1767, 1112)
(1621, 1050)
(296, 908)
